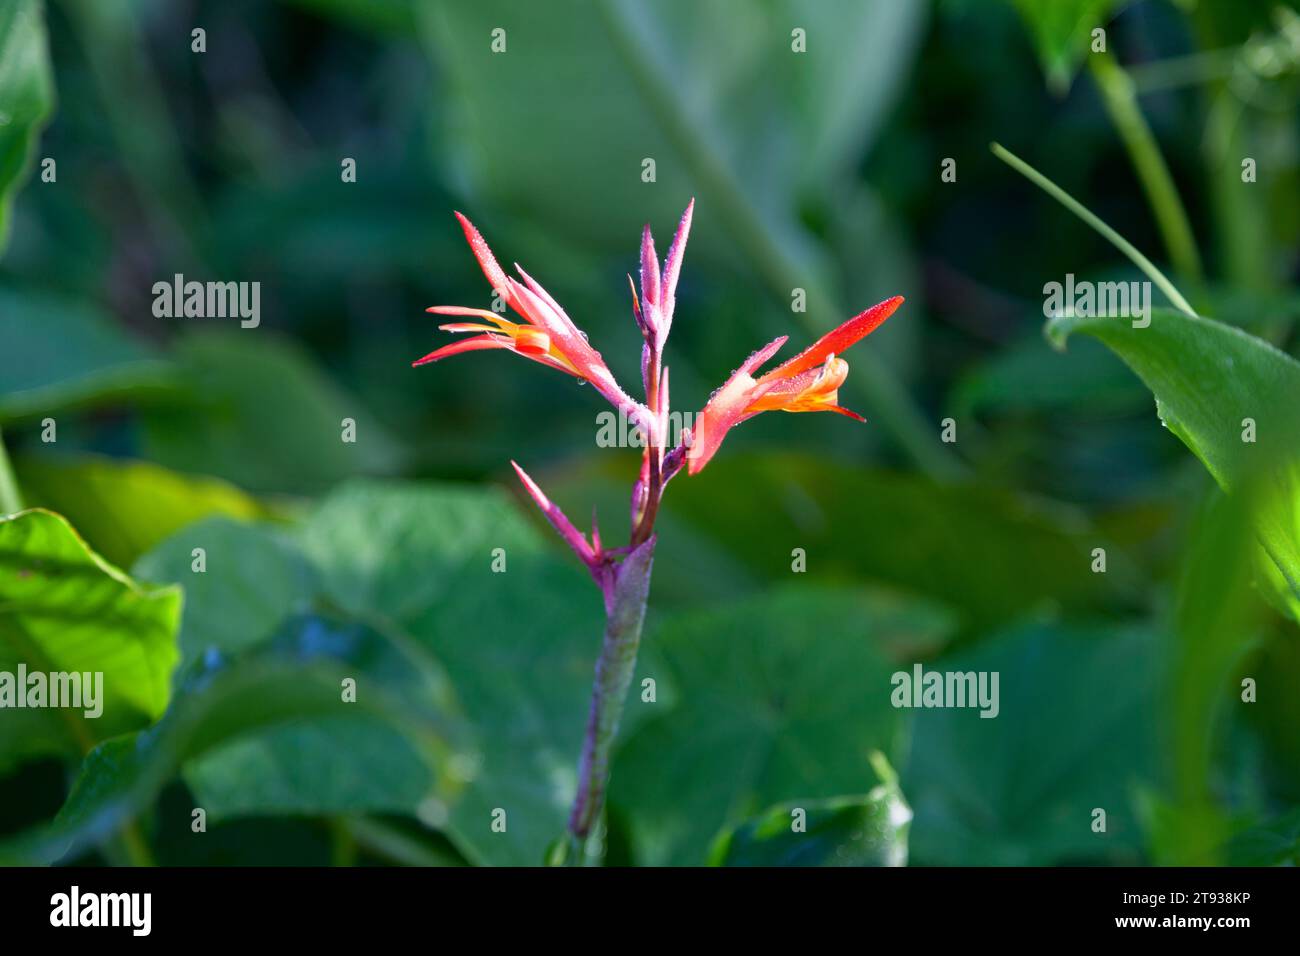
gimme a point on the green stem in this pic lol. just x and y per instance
(625, 614)
(1114, 238)
(11, 500)
(881, 389)
(1121, 103)
(1176, 72)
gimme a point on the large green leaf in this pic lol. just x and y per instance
(222, 707)
(261, 414)
(1212, 383)
(393, 755)
(124, 508)
(253, 579)
(256, 595)
(1075, 731)
(26, 96)
(60, 354)
(781, 698)
(404, 578)
(519, 646)
(64, 609)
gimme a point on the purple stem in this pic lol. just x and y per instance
(626, 603)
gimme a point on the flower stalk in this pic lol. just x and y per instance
(614, 671)
(808, 382)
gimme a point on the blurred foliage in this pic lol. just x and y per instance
(1062, 33)
(26, 97)
(326, 560)
(847, 831)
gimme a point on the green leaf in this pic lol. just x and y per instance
(257, 595)
(227, 703)
(387, 757)
(124, 508)
(411, 565)
(519, 647)
(64, 609)
(869, 830)
(61, 354)
(1209, 379)
(781, 698)
(1206, 377)
(1061, 31)
(253, 579)
(261, 414)
(1074, 732)
(26, 97)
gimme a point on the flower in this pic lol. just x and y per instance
(809, 382)
(547, 336)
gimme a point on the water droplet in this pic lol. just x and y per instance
(582, 381)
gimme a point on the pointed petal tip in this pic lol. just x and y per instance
(847, 412)
(531, 486)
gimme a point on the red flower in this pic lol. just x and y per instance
(809, 382)
(547, 336)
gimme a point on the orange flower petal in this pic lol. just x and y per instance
(837, 340)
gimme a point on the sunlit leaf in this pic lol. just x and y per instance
(1234, 400)
(124, 508)
(64, 609)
